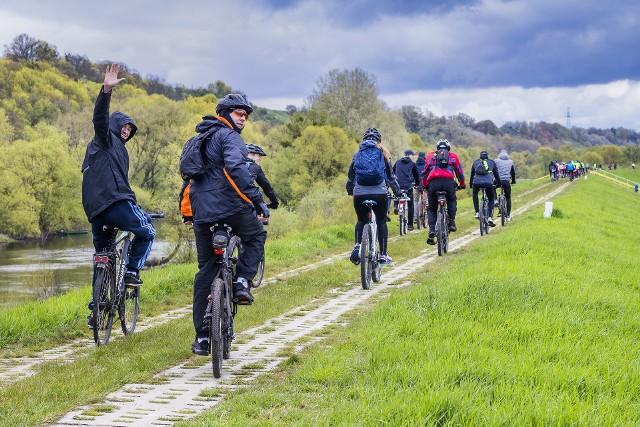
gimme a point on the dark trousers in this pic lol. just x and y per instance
(441, 184)
(506, 186)
(128, 216)
(490, 195)
(380, 209)
(244, 224)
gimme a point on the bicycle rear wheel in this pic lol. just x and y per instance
(440, 230)
(502, 205)
(104, 295)
(216, 338)
(482, 219)
(366, 255)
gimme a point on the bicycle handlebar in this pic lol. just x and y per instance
(157, 215)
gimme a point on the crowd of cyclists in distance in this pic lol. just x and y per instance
(372, 177)
(572, 169)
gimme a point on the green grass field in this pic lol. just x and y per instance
(537, 324)
(534, 324)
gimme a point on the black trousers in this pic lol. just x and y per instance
(245, 224)
(441, 184)
(491, 195)
(380, 209)
(506, 185)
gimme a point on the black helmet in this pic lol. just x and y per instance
(256, 149)
(484, 155)
(233, 101)
(372, 133)
(443, 143)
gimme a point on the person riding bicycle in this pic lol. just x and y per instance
(107, 197)
(507, 172)
(417, 192)
(442, 168)
(484, 173)
(553, 170)
(253, 163)
(406, 173)
(369, 175)
(225, 194)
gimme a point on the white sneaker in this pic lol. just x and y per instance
(490, 222)
(509, 218)
(477, 215)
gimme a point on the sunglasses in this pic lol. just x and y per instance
(241, 113)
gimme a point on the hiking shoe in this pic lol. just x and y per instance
(242, 292)
(508, 217)
(477, 215)
(384, 259)
(90, 321)
(452, 225)
(431, 240)
(410, 228)
(200, 348)
(490, 222)
(395, 211)
(132, 278)
(355, 255)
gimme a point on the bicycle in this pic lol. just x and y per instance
(442, 223)
(221, 308)
(483, 213)
(257, 279)
(403, 210)
(370, 267)
(110, 294)
(502, 206)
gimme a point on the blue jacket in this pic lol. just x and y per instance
(407, 173)
(226, 187)
(105, 169)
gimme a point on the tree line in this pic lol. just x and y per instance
(46, 104)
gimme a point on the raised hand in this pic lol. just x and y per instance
(111, 79)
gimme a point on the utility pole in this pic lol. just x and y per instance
(568, 118)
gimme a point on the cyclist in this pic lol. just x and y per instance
(253, 163)
(553, 170)
(107, 197)
(507, 172)
(484, 173)
(406, 172)
(442, 168)
(369, 176)
(225, 193)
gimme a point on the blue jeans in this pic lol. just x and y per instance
(128, 216)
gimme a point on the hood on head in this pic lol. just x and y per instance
(406, 160)
(503, 155)
(118, 120)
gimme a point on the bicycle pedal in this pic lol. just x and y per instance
(242, 302)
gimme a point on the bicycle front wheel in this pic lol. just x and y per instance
(216, 338)
(366, 257)
(129, 308)
(482, 219)
(502, 205)
(104, 296)
(260, 274)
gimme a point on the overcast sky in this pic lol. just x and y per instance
(500, 60)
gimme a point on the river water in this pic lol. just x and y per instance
(30, 270)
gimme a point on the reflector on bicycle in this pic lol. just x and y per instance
(103, 259)
(218, 251)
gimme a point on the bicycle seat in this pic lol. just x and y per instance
(370, 202)
(220, 238)
(441, 193)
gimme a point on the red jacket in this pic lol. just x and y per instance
(431, 171)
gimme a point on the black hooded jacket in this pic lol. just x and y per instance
(227, 187)
(105, 169)
(407, 173)
(261, 179)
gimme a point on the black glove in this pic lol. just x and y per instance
(513, 182)
(461, 187)
(262, 209)
(349, 187)
(273, 205)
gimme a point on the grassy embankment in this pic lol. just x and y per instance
(57, 388)
(537, 324)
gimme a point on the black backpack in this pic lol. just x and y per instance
(482, 168)
(191, 160)
(442, 158)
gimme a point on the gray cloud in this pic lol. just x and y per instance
(275, 50)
